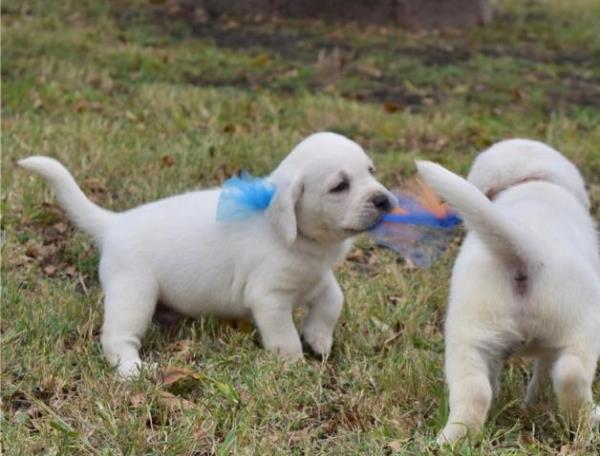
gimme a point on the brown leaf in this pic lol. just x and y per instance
(391, 107)
(71, 271)
(517, 94)
(106, 83)
(262, 59)
(395, 445)
(182, 349)
(34, 412)
(174, 374)
(137, 399)
(200, 434)
(229, 128)
(37, 100)
(95, 185)
(50, 269)
(168, 161)
(182, 345)
(357, 256)
(80, 105)
(61, 227)
(174, 402)
(33, 249)
(369, 70)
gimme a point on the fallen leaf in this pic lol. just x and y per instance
(80, 106)
(137, 399)
(517, 94)
(182, 345)
(262, 59)
(106, 84)
(71, 271)
(50, 269)
(395, 445)
(369, 70)
(357, 256)
(391, 107)
(33, 248)
(173, 374)
(174, 402)
(94, 185)
(37, 100)
(61, 227)
(229, 128)
(168, 161)
(182, 349)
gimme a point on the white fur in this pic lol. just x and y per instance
(174, 250)
(526, 281)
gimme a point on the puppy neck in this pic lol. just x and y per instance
(332, 251)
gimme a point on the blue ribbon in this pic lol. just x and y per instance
(244, 196)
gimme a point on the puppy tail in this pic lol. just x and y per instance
(504, 237)
(81, 211)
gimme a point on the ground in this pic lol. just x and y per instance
(143, 99)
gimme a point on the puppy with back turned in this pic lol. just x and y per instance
(526, 281)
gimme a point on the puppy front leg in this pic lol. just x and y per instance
(273, 318)
(324, 310)
(470, 388)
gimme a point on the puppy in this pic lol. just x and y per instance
(176, 252)
(526, 281)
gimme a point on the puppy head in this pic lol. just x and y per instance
(515, 161)
(326, 191)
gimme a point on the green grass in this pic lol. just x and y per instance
(111, 88)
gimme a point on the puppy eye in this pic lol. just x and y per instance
(371, 170)
(343, 185)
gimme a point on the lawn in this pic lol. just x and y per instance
(141, 99)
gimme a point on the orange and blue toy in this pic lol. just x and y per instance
(420, 227)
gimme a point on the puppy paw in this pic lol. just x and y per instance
(318, 340)
(289, 355)
(129, 370)
(452, 433)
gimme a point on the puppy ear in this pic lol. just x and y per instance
(281, 213)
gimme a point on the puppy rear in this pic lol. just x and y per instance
(512, 243)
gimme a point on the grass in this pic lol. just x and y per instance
(142, 100)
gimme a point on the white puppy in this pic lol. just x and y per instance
(526, 281)
(176, 252)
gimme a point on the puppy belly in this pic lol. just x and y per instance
(202, 304)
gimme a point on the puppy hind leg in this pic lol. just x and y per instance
(128, 308)
(572, 377)
(541, 372)
(470, 392)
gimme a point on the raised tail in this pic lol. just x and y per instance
(504, 237)
(81, 211)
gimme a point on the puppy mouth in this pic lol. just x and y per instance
(366, 227)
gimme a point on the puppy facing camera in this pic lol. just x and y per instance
(176, 251)
(526, 281)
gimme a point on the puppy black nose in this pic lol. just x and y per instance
(381, 202)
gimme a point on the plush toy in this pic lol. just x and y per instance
(419, 228)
